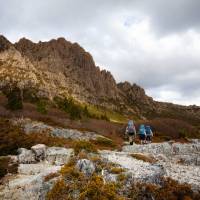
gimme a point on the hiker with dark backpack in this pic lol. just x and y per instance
(131, 131)
(142, 134)
(149, 134)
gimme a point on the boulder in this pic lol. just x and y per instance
(86, 166)
(30, 185)
(38, 168)
(40, 151)
(26, 156)
(108, 177)
(58, 155)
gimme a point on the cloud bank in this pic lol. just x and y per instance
(155, 44)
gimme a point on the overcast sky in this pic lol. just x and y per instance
(154, 43)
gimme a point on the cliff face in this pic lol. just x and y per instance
(61, 68)
(68, 68)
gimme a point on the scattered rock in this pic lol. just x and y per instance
(85, 166)
(26, 156)
(40, 151)
(58, 155)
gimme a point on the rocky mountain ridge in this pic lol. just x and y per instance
(61, 68)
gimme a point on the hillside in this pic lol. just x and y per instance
(62, 124)
(59, 68)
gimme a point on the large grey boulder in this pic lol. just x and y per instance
(86, 166)
(30, 186)
(40, 151)
(26, 156)
(58, 155)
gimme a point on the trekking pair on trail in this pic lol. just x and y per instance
(145, 133)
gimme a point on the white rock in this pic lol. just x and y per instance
(58, 155)
(31, 187)
(33, 169)
(26, 156)
(40, 151)
(85, 166)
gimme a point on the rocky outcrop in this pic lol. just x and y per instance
(177, 161)
(30, 126)
(86, 166)
(61, 68)
(37, 172)
(77, 72)
(36, 177)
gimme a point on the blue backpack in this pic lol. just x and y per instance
(142, 130)
(130, 126)
(148, 130)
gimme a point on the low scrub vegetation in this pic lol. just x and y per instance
(105, 142)
(75, 185)
(117, 170)
(167, 129)
(87, 146)
(12, 138)
(145, 158)
(169, 190)
(15, 99)
(42, 106)
(6, 167)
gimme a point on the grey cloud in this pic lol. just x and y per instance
(102, 28)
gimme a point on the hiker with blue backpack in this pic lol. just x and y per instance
(131, 131)
(142, 134)
(149, 134)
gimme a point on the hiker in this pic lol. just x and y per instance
(142, 134)
(149, 134)
(131, 131)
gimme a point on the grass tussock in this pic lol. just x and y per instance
(51, 176)
(117, 170)
(145, 158)
(105, 142)
(87, 146)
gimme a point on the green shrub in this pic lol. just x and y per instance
(104, 117)
(182, 133)
(14, 99)
(42, 107)
(68, 105)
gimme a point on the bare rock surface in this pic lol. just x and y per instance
(30, 182)
(177, 161)
(58, 155)
(30, 126)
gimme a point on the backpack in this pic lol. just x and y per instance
(148, 130)
(130, 126)
(142, 130)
